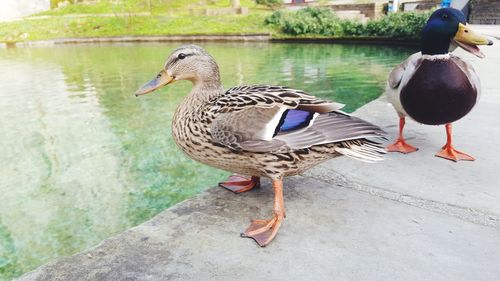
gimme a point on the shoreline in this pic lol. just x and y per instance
(258, 37)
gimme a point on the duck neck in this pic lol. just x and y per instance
(433, 42)
(202, 93)
(205, 90)
(435, 47)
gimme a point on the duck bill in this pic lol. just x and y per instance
(469, 40)
(159, 81)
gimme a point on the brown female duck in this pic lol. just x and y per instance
(262, 131)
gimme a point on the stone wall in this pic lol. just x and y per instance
(420, 5)
(370, 10)
(485, 12)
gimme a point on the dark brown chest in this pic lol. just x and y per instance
(438, 93)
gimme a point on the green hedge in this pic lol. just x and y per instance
(324, 22)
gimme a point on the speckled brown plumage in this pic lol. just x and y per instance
(259, 130)
(192, 131)
(239, 130)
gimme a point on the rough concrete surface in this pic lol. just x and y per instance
(410, 217)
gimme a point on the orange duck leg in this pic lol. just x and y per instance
(451, 153)
(238, 183)
(264, 231)
(400, 145)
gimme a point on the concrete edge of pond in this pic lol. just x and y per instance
(338, 224)
(263, 37)
(145, 38)
(351, 40)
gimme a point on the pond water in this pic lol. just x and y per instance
(81, 158)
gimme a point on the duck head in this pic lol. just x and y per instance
(446, 29)
(188, 62)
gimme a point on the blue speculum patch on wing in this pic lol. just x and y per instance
(294, 119)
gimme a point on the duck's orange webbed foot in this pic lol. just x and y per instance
(264, 231)
(238, 183)
(449, 152)
(452, 154)
(401, 146)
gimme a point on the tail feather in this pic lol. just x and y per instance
(348, 135)
(332, 127)
(364, 150)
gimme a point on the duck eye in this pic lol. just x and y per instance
(445, 16)
(181, 56)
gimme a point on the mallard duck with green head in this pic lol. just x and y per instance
(259, 130)
(434, 87)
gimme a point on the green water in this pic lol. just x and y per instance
(82, 159)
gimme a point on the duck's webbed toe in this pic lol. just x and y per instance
(263, 231)
(238, 183)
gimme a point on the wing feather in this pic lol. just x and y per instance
(249, 116)
(399, 77)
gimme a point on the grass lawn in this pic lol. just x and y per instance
(137, 6)
(58, 27)
(168, 17)
(187, 17)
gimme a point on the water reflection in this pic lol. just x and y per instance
(62, 179)
(82, 159)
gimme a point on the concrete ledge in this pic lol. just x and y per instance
(411, 217)
(331, 232)
(351, 40)
(139, 39)
(216, 37)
